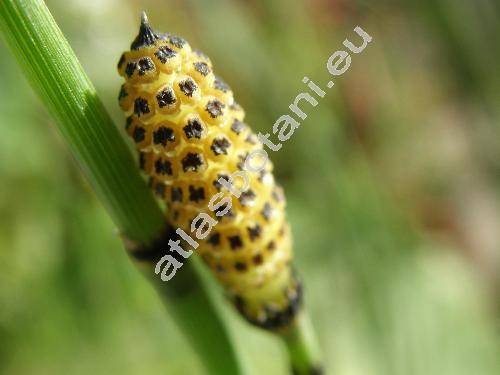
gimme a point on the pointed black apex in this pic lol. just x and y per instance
(146, 36)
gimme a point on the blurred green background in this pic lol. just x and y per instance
(393, 185)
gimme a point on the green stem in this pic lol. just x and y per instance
(302, 347)
(56, 75)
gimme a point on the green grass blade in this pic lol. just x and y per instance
(58, 78)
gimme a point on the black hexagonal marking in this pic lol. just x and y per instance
(254, 232)
(267, 211)
(128, 122)
(271, 246)
(194, 128)
(176, 194)
(247, 197)
(176, 41)
(139, 134)
(202, 68)
(220, 145)
(240, 266)
(142, 160)
(164, 54)
(123, 93)
(145, 65)
(130, 68)
(228, 214)
(162, 135)
(160, 190)
(166, 97)
(257, 259)
(237, 126)
(163, 167)
(192, 161)
(214, 239)
(220, 85)
(196, 194)
(241, 163)
(215, 108)
(235, 242)
(141, 106)
(188, 86)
